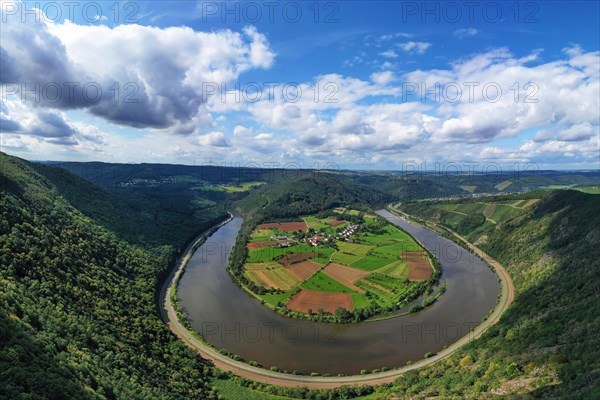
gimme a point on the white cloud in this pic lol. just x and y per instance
(414, 47)
(391, 36)
(382, 78)
(465, 32)
(567, 99)
(214, 139)
(389, 54)
(242, 131)
(354, 121)
(574, 133)
(148, 77)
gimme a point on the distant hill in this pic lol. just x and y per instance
(547, 344)
(309, 194)
(452, 180)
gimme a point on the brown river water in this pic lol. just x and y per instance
(229, 318)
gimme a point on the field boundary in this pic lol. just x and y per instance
(170, 317)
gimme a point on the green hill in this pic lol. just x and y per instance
(81, 266)
(474, 218)
(78, 317)
(547, 344)
(308, 194)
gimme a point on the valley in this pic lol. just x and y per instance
(542, 239)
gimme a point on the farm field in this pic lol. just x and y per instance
(397, 269)
(343, 259)
(242, 187)
(322, 223)
(305, 269)
(271, 275)
(345, 275)
(285, 226)
(589, 190)
(308, 300)
(503, 185)
(371, 263)
(324, 283)
(468, 188)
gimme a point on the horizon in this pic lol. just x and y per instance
(266, 168)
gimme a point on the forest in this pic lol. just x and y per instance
(546, 344)
(81, 265)
(77, 290)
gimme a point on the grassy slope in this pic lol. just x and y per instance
(547, 344)
(77, 302)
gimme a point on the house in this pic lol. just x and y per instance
(347, 232)
(315, 240)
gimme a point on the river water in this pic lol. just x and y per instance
(229, 318)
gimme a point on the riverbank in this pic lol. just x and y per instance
(239, 368)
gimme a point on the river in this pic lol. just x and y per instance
(229, 318)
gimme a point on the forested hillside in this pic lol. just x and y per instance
(309, 194)
(80, 268)
(547, 344)
(81, 265)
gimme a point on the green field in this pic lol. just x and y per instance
(354, 248)
(242, 187)
(319, 224)
(208, 188)
(391, 235)
(377, 294)
(360, 301)
(371, 263)
(321, 259)
(503, 185)
(262, 235)
(279, 278)
(375, 247)
(274, 298)
(344, 258)
(469, 188)
(324, 283)
(589, 190)
(393, 250)
(396, 269)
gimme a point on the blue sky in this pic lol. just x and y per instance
(364, 57)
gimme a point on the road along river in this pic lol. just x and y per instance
(229, 318)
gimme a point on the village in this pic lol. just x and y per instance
(317, 238)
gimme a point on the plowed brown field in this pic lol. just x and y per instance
(257, 245)
(346, 275)
(285, 226)
(420, 269)
(328, 301)
(303, 270)
(296, 257)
